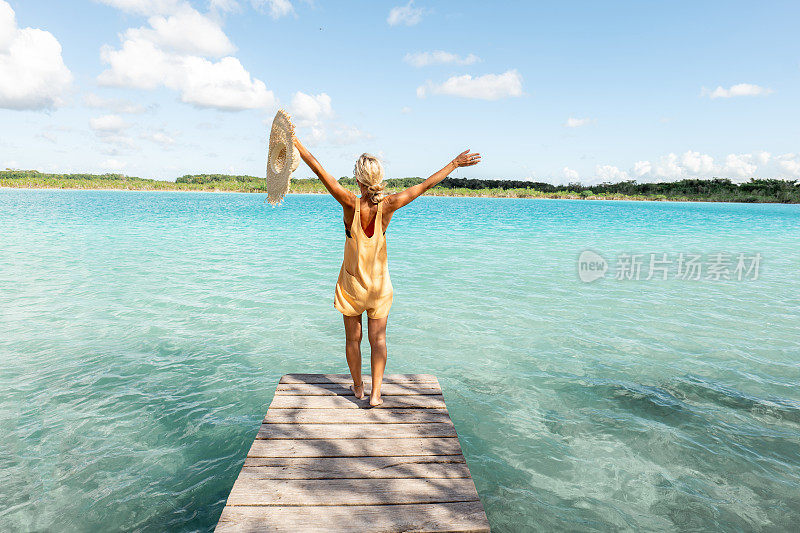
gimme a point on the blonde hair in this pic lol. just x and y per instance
(369, 171)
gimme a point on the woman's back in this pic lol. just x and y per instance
(368, 214)
(364, 283)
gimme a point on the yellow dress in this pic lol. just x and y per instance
(364, 283)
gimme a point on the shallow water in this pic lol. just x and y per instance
(142, 335)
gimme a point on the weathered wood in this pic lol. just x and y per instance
(424, 466)
(346, 379)
(350, 402)
(339, 389)
(354, 431)
(324, 461)
(354, 447)
(251, 490)
(421, 518)
(356, 416)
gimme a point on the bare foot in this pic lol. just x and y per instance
(358, 390)
(375, 401)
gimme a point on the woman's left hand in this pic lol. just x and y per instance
(466, 159)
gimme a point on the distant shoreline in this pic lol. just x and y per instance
(688, 190)
(479, 194)
(618, 198)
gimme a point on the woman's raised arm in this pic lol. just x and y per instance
(402, 198)
(342, 195)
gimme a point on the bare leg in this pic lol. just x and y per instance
(377, 342)
(352, 351)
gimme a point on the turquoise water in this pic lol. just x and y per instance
(142, 335)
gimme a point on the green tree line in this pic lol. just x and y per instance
(716, 189)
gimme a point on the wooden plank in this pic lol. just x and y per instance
(346, 379)
(356, 416)
(425, 466)
(339, 389)
(324, 461)
(355, 431)
(350, 402)
(456, 517)
(250, 490)
(354, 447)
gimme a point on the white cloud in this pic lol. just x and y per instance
(577, 122)
(741, 89)
(642, 168)
(48, 136)
(316, 135)
(439, 57)
(674, 167)
(669, 166)
(348, 135)
(159, 137)
(185, 32)
(486, 87)
(313, 114)
(789, 163)
(569, 174)
(112, 104)
(116, 144)
(224, 5)
(113, 164)
(110, 129)
(309, 110)
(150, 58)
(609, 173)
(407, 15)
(763, 157)
(108, 124)
(223, 85)
(697, 163)
(138, 64)
(739, 165)
(405, 110)
(276, 8)
(144, 7)
(32, 72)
(8, 26)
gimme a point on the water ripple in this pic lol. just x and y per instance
(142, 334)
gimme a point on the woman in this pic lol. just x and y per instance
(364, 283)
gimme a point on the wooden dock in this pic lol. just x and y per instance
(325, 461)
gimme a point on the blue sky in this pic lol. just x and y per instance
(558, 92)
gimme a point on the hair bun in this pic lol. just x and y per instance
(369, 172)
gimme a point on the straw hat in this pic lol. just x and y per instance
(282, 157)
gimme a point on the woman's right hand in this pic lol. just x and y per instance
(466, 159)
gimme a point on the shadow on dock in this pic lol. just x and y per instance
(325, 461)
